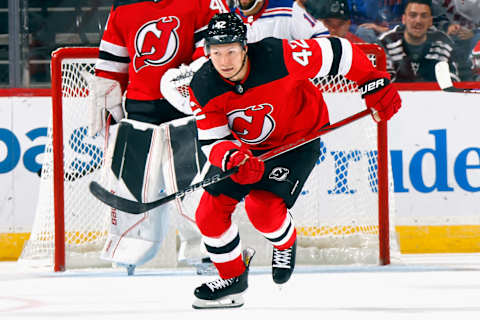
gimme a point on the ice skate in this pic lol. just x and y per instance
(224, 293)
(283, 263)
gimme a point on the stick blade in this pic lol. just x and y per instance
(116, 202)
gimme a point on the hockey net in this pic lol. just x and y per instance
(344, 214)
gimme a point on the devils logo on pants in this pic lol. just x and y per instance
(252, 125)
(156, 42)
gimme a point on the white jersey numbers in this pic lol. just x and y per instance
(217, 5)
(301, 55)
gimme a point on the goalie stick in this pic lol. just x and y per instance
(442, 73)
(136, 207)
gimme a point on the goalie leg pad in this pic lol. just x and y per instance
(136, 173)
(184, 165)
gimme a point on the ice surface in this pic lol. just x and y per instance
(420, 287)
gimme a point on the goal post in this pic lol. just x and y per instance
(58, 57)
(71, 226)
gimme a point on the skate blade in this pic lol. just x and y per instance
(231, 301)
(282, 286)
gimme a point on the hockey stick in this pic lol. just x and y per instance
(442, 73)
(135, 207)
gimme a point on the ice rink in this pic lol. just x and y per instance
(417, 287)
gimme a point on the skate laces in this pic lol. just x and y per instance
(281, 258)
(219, 283)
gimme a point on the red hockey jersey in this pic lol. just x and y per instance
(276, 103)
(143, 39)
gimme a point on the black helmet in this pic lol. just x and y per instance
(226, 28)
(322, 9)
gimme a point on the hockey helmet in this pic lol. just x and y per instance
(226, 28)
(323, 9)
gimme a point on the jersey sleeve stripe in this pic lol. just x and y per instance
(347, 57)
(111, 66)
(337, 55)
(327, 56)
(110, 57)
(214, 133)
(113, 49)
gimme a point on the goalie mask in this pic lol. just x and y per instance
(323, 9)
(225, 28)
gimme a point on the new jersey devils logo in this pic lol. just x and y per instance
(252, 125)
(156, 43)
(279, 174)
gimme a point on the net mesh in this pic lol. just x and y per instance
(85, 220)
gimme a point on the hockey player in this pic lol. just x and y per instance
(250, 99)
(282, 19)
(414, 48)
(142, 40)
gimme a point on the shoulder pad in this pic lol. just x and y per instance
(267, 57)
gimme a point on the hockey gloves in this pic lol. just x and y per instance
(227, 155)
(250, 168)
(381, 96)
(175, 78)
(106, 98)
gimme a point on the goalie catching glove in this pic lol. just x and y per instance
(381, 96)
(174, 79)
(107, 97)
(227, 155)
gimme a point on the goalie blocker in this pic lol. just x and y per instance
(145, 163)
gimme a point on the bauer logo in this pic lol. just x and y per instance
(372, 86)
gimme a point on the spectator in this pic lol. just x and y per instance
(460, 20)
(415, 47)
(335, 15)
(370, 18)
